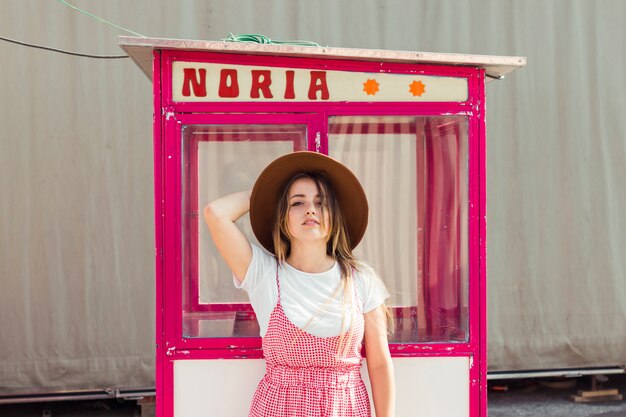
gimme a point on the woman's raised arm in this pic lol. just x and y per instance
(220, 216)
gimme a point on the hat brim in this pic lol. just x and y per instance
(270, 183)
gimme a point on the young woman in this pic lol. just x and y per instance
(315, 303)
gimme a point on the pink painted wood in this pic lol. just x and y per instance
(158, 138)
(171, 116)
(481, 297)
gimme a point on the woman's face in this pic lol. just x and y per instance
(307, 219)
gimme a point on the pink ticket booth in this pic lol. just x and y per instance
(410, 125)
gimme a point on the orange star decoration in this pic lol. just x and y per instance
(370, 87)
(417, 88)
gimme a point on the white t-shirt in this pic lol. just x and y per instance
(307, 299)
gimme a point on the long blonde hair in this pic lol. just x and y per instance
(338, 244)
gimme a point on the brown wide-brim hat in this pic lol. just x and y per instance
(270, 183)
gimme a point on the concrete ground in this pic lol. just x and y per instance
(96, 408)
(551, 397)
(507, 398)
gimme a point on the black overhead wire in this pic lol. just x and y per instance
(62, 51)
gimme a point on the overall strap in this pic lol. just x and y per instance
(277, 281)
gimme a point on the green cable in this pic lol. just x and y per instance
(264, 40)
(99, 18)
(243, 38)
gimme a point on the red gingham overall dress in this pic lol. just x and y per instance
(305, 374)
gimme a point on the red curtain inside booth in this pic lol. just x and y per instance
(443, 295)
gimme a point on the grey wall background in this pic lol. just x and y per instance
(76, 219)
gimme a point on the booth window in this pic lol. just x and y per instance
(218, 160)
(414, 171)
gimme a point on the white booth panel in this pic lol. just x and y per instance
(430, 386)
(425, 386)
(215, 387)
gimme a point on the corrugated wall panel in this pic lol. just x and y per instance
(76, 219)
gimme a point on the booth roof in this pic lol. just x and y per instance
(140, 50)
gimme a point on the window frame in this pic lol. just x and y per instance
(175, 115)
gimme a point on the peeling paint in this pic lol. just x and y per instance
(461, 113)
(169, 115)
